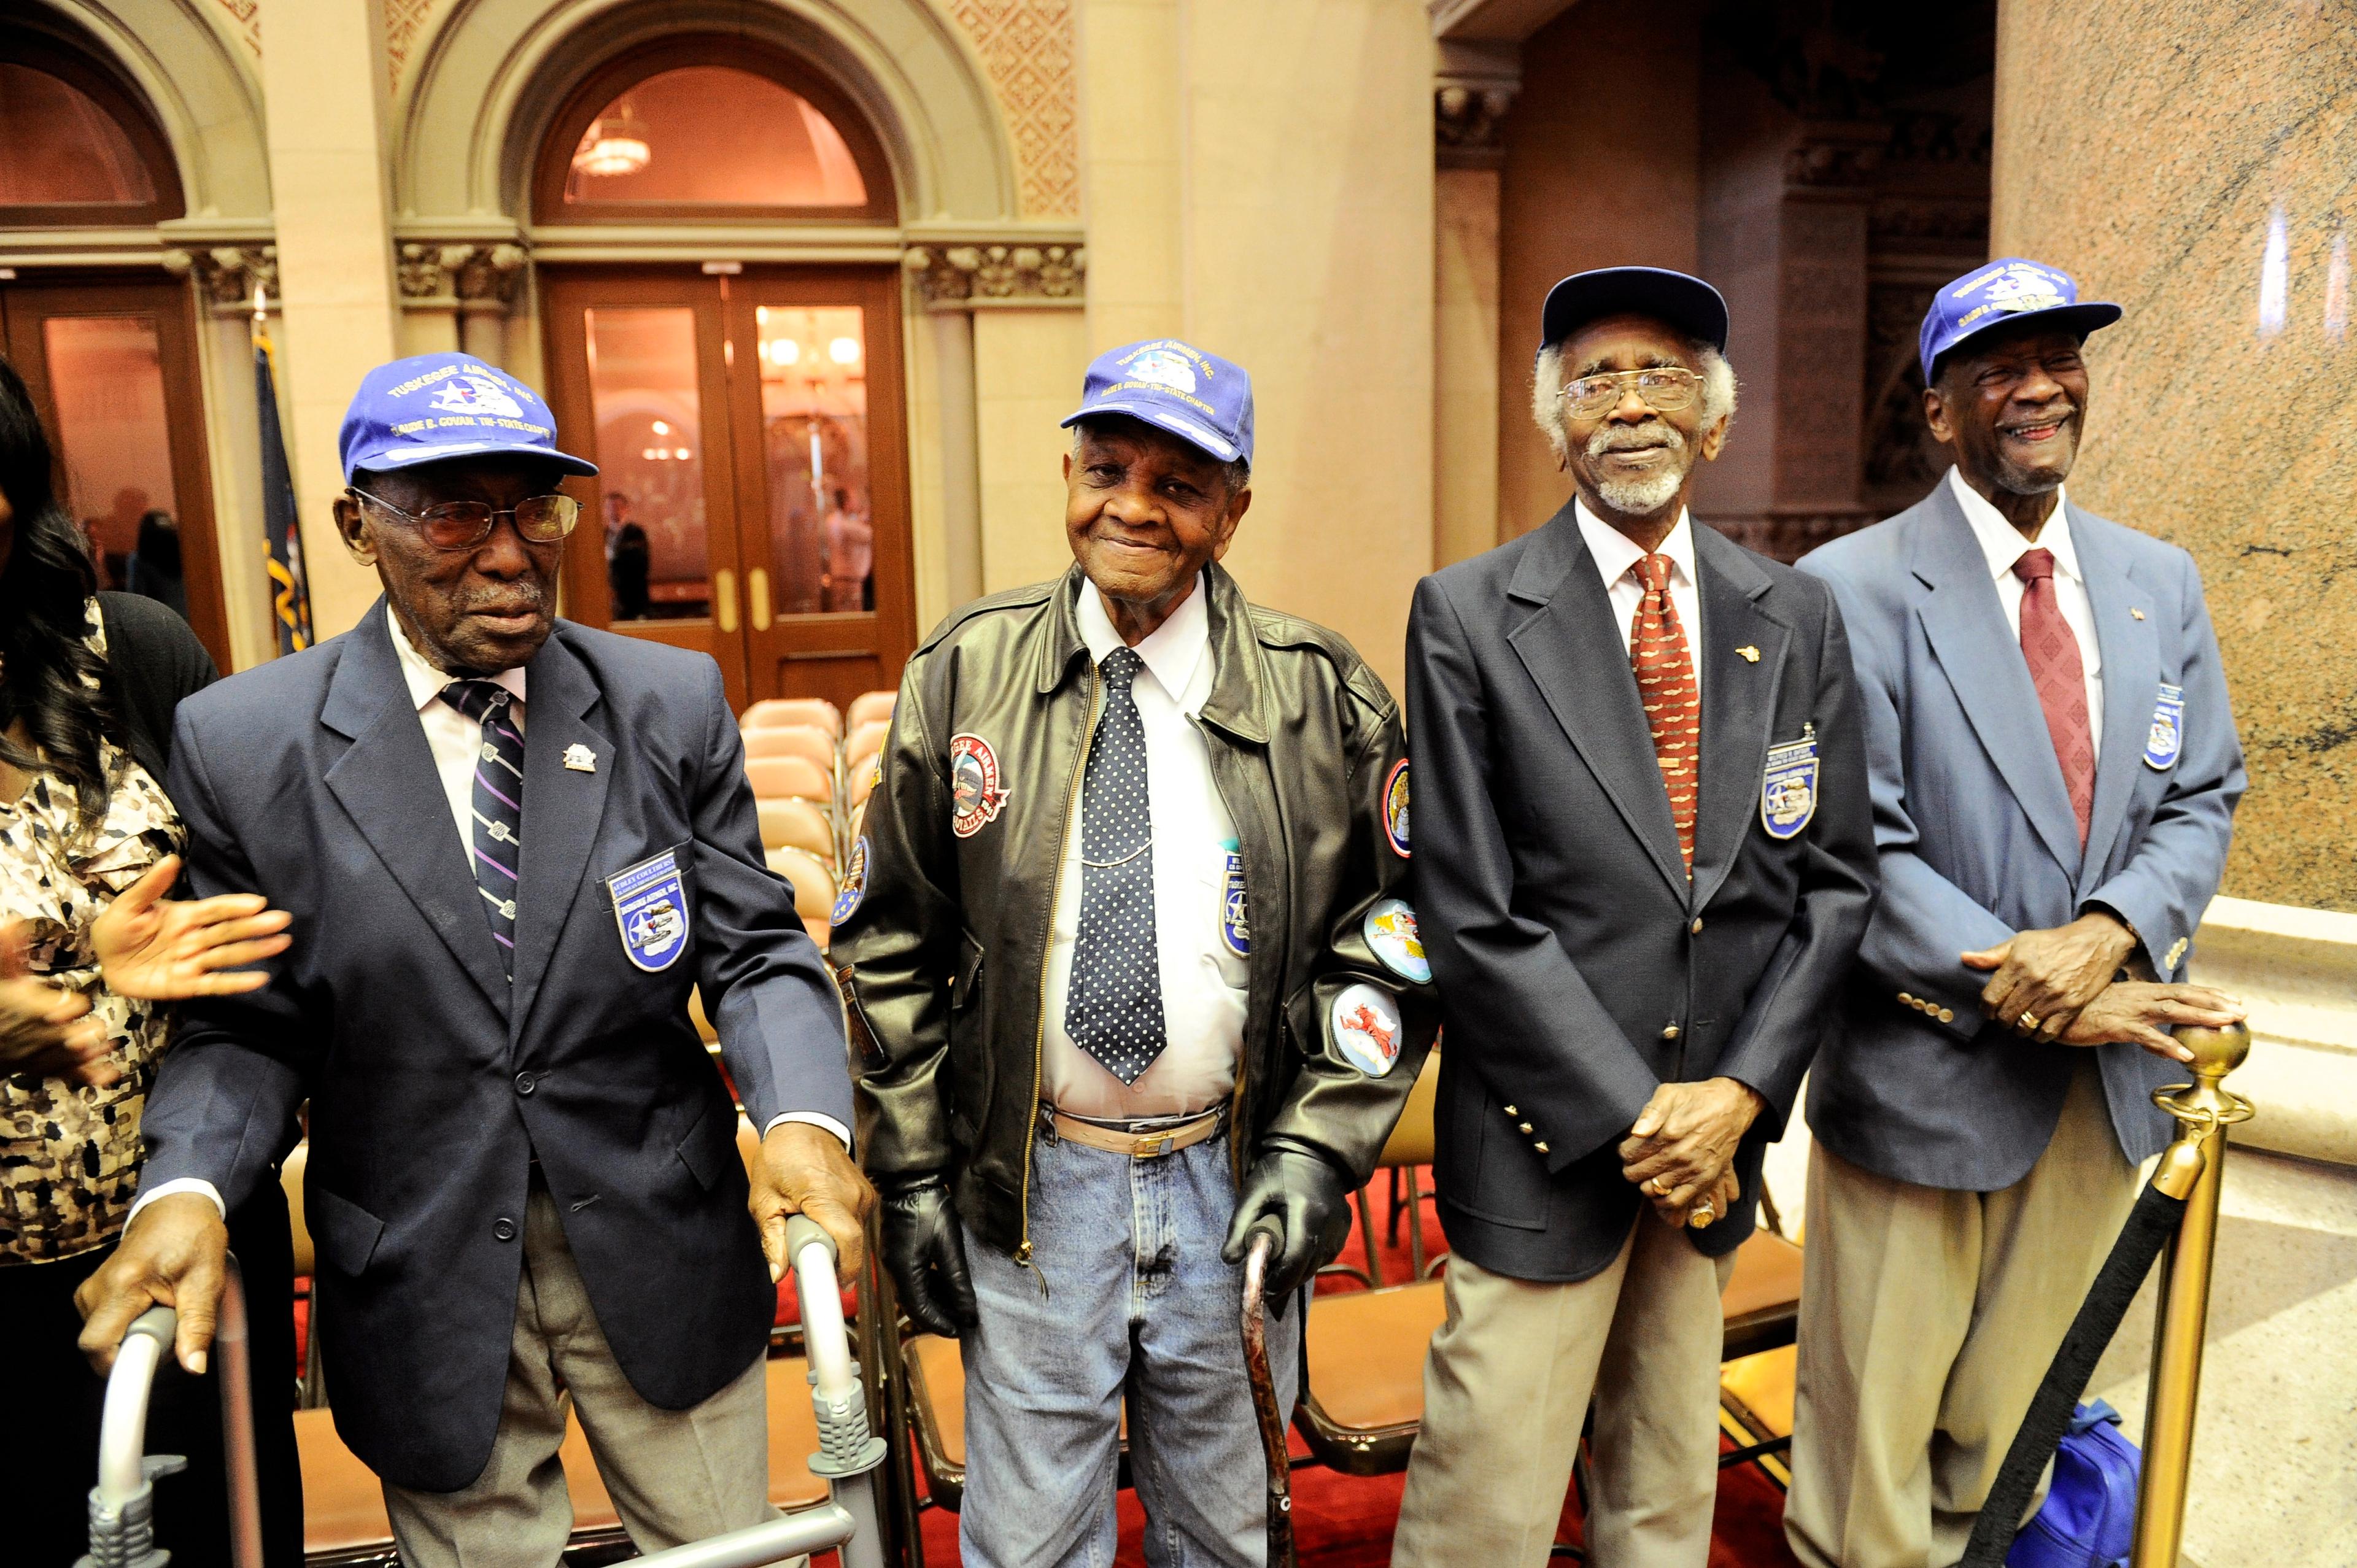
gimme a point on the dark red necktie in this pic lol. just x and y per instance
(2061, 680)
(1672, 699)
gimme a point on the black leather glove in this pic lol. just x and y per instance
(1307, 1199)
(926, 1253)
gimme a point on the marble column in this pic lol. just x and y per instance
(2199, 172)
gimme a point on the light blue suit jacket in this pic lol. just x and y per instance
(1977, 839)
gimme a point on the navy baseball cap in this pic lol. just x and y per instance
(1688, 304)
(2007, 290)
(432, 407)
(1198, 397)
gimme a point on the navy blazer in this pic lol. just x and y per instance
(433, 1085)
(1979, 840)
(1578, 968)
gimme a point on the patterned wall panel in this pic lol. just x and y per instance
(1028, 49)
(404, 27)
(246, 16)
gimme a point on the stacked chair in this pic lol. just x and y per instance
(810, 774)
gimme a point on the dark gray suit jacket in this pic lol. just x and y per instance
(432, 1086)
(1577, 969)
(1979, 840)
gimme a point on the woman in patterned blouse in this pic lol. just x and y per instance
(91, 954)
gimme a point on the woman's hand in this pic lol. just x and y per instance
(165, 950)
(46, 1030)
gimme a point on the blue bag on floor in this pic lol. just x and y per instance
(2088, 1520)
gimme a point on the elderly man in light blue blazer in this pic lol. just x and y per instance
(2054, 774)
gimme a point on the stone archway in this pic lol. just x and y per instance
(469, 123)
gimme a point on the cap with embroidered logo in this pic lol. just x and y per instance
(433, 407)
(2006, 291)
(1198, 397)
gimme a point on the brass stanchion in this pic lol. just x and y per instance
(2204, 1111)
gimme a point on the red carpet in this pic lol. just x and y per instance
(1345, 1521)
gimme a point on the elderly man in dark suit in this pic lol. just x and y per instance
(510, 845)
(1643, 861)
(2055, 774)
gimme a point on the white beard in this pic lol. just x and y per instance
(1641, 497)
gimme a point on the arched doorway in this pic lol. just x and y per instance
(108, 352)
(748, 419)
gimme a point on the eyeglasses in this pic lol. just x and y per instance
(1665, 388)
(463, 525)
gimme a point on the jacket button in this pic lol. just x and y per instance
(1524, 1125)
(503, 1228)
(1669, 1031)
(1512, 1112)
(526, 1083)
(1905, 1000)
(1696, 927)
(1947, 1014)
(1542, 1148)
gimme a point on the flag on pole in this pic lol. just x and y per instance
(290, 591)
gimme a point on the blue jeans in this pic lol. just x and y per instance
(1136, 1298)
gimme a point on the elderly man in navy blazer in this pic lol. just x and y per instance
(510, 845)
(1635, 945)
(2055, 775)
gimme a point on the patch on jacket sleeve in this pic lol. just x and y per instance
(1395, 808)
(1366, 1025)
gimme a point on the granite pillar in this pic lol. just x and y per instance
(2197, 170)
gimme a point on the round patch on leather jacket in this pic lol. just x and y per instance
(975, 796)
(1366, 1025)
(853, 886)
(1390, 931)
(1395, 808)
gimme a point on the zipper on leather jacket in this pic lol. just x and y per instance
(1047, 940)
(1239, 1135)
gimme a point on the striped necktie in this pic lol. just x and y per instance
(1673, 698)
(497, 844)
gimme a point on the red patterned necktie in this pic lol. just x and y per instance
(2061, 678)
(1667, 685)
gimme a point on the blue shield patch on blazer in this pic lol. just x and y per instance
(1788, 789)
(1235, 926)
(650, 909)
(2166, 741)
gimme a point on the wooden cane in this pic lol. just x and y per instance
(1264, 1392)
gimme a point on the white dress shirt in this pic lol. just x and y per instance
(455, 740)
(1615, 554)
(1203, 983)
(2003, 544)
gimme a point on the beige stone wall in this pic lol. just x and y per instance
(1603, 168)
(1276, 206)
(2211, 196)
(1027, 372)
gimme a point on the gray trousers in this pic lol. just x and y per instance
(675, 1476)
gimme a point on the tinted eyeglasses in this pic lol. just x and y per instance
(1665, 388)
(463, 525)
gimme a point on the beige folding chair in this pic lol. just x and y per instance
(775, 712)
(809, 742)
(789, 778)
(796, 824)
(870, 706)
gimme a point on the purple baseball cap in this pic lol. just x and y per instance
(1688, 304)
(1198, 397)
(433, 407)
(2007, 290)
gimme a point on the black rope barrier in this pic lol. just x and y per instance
(2150, 1224)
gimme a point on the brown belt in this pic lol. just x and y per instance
(1140, 1145)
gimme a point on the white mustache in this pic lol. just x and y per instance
(1622, 439)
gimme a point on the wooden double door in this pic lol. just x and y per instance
(751, 438)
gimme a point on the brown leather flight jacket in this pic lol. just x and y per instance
(942, 930)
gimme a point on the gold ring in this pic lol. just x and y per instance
(2028, 1021)
(1702, 1217)
(1656, 1188)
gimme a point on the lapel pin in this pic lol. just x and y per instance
(2139, 614)
(1750, 655)
(580, 758)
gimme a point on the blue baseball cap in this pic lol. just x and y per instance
(1688, 304)
(1198, 397)
(432, 407)
(2007, 290)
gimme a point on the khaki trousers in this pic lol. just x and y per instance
(1506, 1391)
(675, 1476)
(1928, 1318)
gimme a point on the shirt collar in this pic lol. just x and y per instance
(425, 682)
(1615, 551)
(1172, 651)
(2003, 543)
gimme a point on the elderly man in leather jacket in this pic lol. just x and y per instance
(1130, 974)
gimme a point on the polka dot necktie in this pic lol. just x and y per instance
(1672, 699)
(1114, 1010)
(496, 848)
(2061, 680)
